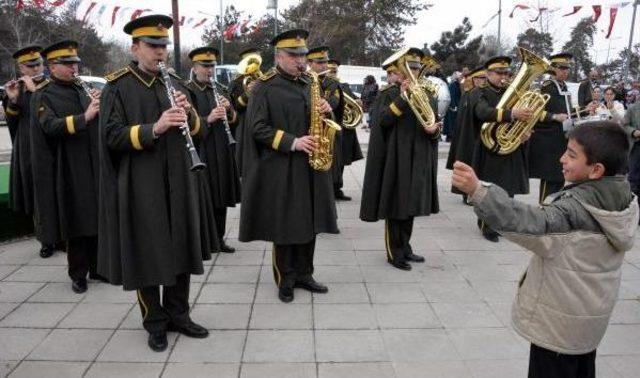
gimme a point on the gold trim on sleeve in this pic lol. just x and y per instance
(277, 139)
(134, 135)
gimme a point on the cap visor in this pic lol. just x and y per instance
(295, 50)
(33, 63)
(156, 41)
(69, 59)
(207, 64)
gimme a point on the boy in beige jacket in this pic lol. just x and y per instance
(578, 237)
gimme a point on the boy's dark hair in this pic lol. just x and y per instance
(603, 142)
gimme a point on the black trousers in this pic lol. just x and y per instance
(544, 363)
(174, 306)
(220, 216)
(82, 256)
(292, 262)
(549, 187)
(338, 181)
(397, 234)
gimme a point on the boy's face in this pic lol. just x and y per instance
(575, 167)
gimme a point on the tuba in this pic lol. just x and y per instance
(249, 66)
(415, 95)
(352, 115)
(505, 137)
(323, 130)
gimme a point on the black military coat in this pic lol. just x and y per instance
(239, 99)
(66, 162)
(21, 196)
(402, 162)
(155, 222)
(507, 171)
(215, 150)
(283, 199)
(548, 142)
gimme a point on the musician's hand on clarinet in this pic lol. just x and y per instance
(92, 109)
(95, 93)
(521, 114)
(224, 103)
(12, 89)
(173, 117)
(464, 178)
(28, 83)
(306, 144)
(323, 106)
(181, 101)
(216, 114)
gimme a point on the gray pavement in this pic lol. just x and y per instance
(448, 317)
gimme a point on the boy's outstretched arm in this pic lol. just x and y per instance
(521, 223)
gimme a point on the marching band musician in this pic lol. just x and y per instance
(18, 116)
(507, 171)
(465, 135)
(64, 124)
(351, 150)
(153, 217)
(401, 171)
(215, 149)
(240, 99)
(548, 141)
(284, 200)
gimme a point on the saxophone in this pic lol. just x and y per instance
(322, 130)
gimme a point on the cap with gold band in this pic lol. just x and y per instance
(29, 56)
(62, 52)
(250, 51)
(478, 72)
(152, 29)
(319, 54)
(563, 60)
(498, 64)
(206, 56)
(292, 41)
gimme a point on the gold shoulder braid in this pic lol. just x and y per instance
(117, 74)
(43, 84)
(268, 75)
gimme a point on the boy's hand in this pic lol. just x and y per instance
(464, 178)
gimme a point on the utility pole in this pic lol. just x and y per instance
(176, 36)
(633, 23)
(499, 26)
(221, 34)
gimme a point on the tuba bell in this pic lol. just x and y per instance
(249, 67)
(505, 137)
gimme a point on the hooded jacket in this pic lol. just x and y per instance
(579, 237)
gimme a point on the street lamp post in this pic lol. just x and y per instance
(176, 35)
(633, 22)
(273, 4)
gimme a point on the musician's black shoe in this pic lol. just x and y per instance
(402, 265)
(79, 286)
(189, 329)
(97, 277)
(285, 294)
(340, 196)
(414, 258)
(158, 341)
(490, 235)
(224, 247)
(46, 251)
(311, 285)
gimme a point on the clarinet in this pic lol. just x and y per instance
(196, 163)
(227, 129)
(84, 85)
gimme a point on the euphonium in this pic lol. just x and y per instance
(323, 130)
(505, 137)
(249, 66)
(352, 115)
(417, 97)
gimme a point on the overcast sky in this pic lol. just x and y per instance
(443, 15)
